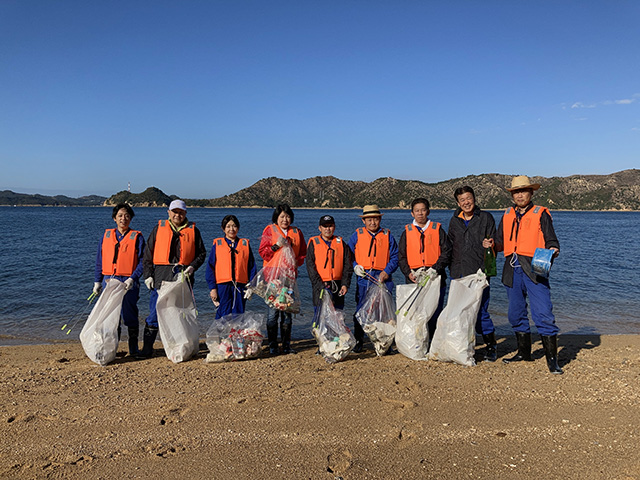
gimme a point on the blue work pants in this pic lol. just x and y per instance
(129, 312)
(231, 299)
(540, 302)
(272, 318)
(484, 324)
(433, 321)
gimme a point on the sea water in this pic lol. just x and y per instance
(48, 258)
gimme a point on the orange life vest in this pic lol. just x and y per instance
(225, 260)
(293, 234)
(162, 248)
(372, 252)
(329, 260)
(123, 252)
(525, 238)
(423, 250)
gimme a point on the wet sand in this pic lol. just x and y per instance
(296, 417)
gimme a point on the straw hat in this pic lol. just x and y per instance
(522, 181)
(371, 211)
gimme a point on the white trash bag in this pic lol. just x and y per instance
(455, 338)
(178, 319)
(418, 302)
(335, 340)
(99, 336)
(377, 317)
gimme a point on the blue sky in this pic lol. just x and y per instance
(204, 98)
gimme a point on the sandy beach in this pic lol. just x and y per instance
(296, 417)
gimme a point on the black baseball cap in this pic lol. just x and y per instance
(326, 220)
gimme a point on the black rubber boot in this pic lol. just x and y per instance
(148, 339)
(133, 340)
(358, 334)
(490, 349)
(286, 339)
(272, 336)
(550, 345)
(524, 349)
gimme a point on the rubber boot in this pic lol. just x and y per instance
(272, 336)
(358, 333)
(550, 345)
(490, 349)
(148, 339)
(524, 349)
(133, 340)
(286, 339)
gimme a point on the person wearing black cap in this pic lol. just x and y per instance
(329, 263)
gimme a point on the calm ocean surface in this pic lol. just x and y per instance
(49, 254)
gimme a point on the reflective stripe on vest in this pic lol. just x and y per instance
(119, 258)
(329, 260)
(162, 247)
(372, 252)
(423, 249)
(525, 236)
(232, 266)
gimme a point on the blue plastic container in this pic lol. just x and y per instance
(541, 263)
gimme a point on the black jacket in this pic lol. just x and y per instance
(467, 253)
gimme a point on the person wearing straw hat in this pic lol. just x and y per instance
(174, 245)
(471, 231)
(424, 244)
(375, 255)
(523, 228)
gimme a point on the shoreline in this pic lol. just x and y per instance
(308, 208)
(295, 416)
(15, 341)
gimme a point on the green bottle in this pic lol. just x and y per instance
(490, 269)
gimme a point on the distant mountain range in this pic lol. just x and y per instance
(617, 191)
(7, 197)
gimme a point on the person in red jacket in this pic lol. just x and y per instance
(274, 237)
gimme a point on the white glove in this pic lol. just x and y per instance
(419, 274)
(189, 270)
(97, 288)
(281, 241)
(359, 270)
(149, 283)
(128, 283)
(247, 293)
(432, 272)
